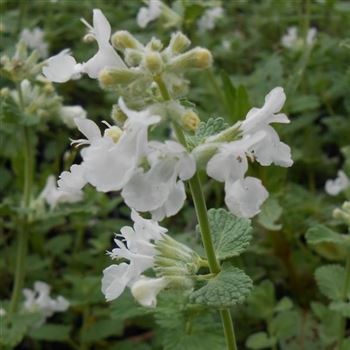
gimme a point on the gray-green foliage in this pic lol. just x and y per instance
(228, 288)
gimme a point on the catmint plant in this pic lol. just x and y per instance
(149, 84)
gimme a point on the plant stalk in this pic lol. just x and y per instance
(202, 217)
(22, 239)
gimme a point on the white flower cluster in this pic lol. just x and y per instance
(259, 142)
(34, 39)
(291, 40)
(39, 300)
(339, 184)
(150, 174)
(143, 246)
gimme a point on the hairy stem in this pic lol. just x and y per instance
(22, 238)
(202, 216)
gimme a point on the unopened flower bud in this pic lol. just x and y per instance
(122, 40)
(346, 206)
(190, 120)
(118, 115)
(179, 43)
(198, 58)
(153, 62)
(114, 132)
(113, 77)
(49, 88)
(155, 44)
(341, 215)
(133, 57)
(4, 92)
(89, 38)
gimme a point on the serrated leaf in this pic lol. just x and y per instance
(260, 340)
(51, 332)
(341, 307)
(228, 288)
(330, 280)
(231, 235)
(271, 211)
(211, 127)
(261, 301)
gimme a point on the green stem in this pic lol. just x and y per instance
(22, 240)
(345, 292)
(202, 216)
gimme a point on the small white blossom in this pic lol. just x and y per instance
(54, 196)
(270, 149)
(158, 190)
(138, 249)
(245, 196)
(109, 162)
(39, 300)
(146, 245)
(291, 40)
(145, 290)
(209, 18)
(63, 67)
(69, 113)
(2, 312)
(339, 184)
(34, 39)
(149, 14)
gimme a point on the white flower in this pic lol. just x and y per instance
(39, 300)
(291, 40)
(54, 196)
(157, 190)
(149, 14)
(270, 149)
(230, 162)
(34, 39)
(72, 181)
(245, 196)
(69, 113)
(137, 248)
(339, 184)
(145, 290)
(109, 161)
(209, 18)
(105, 57)
(2, 312)
(63, 67)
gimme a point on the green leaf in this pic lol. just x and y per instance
(321, 233)
(284, 304)
(101, 329)
(271, 211)
(228, 288)
(260, 340)
(341, 307)
(51, 332)
(285, 325)
(231, 235)
(211, 127)
(330, 281)
(328, 243)
(261, 301)
(12, 333)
